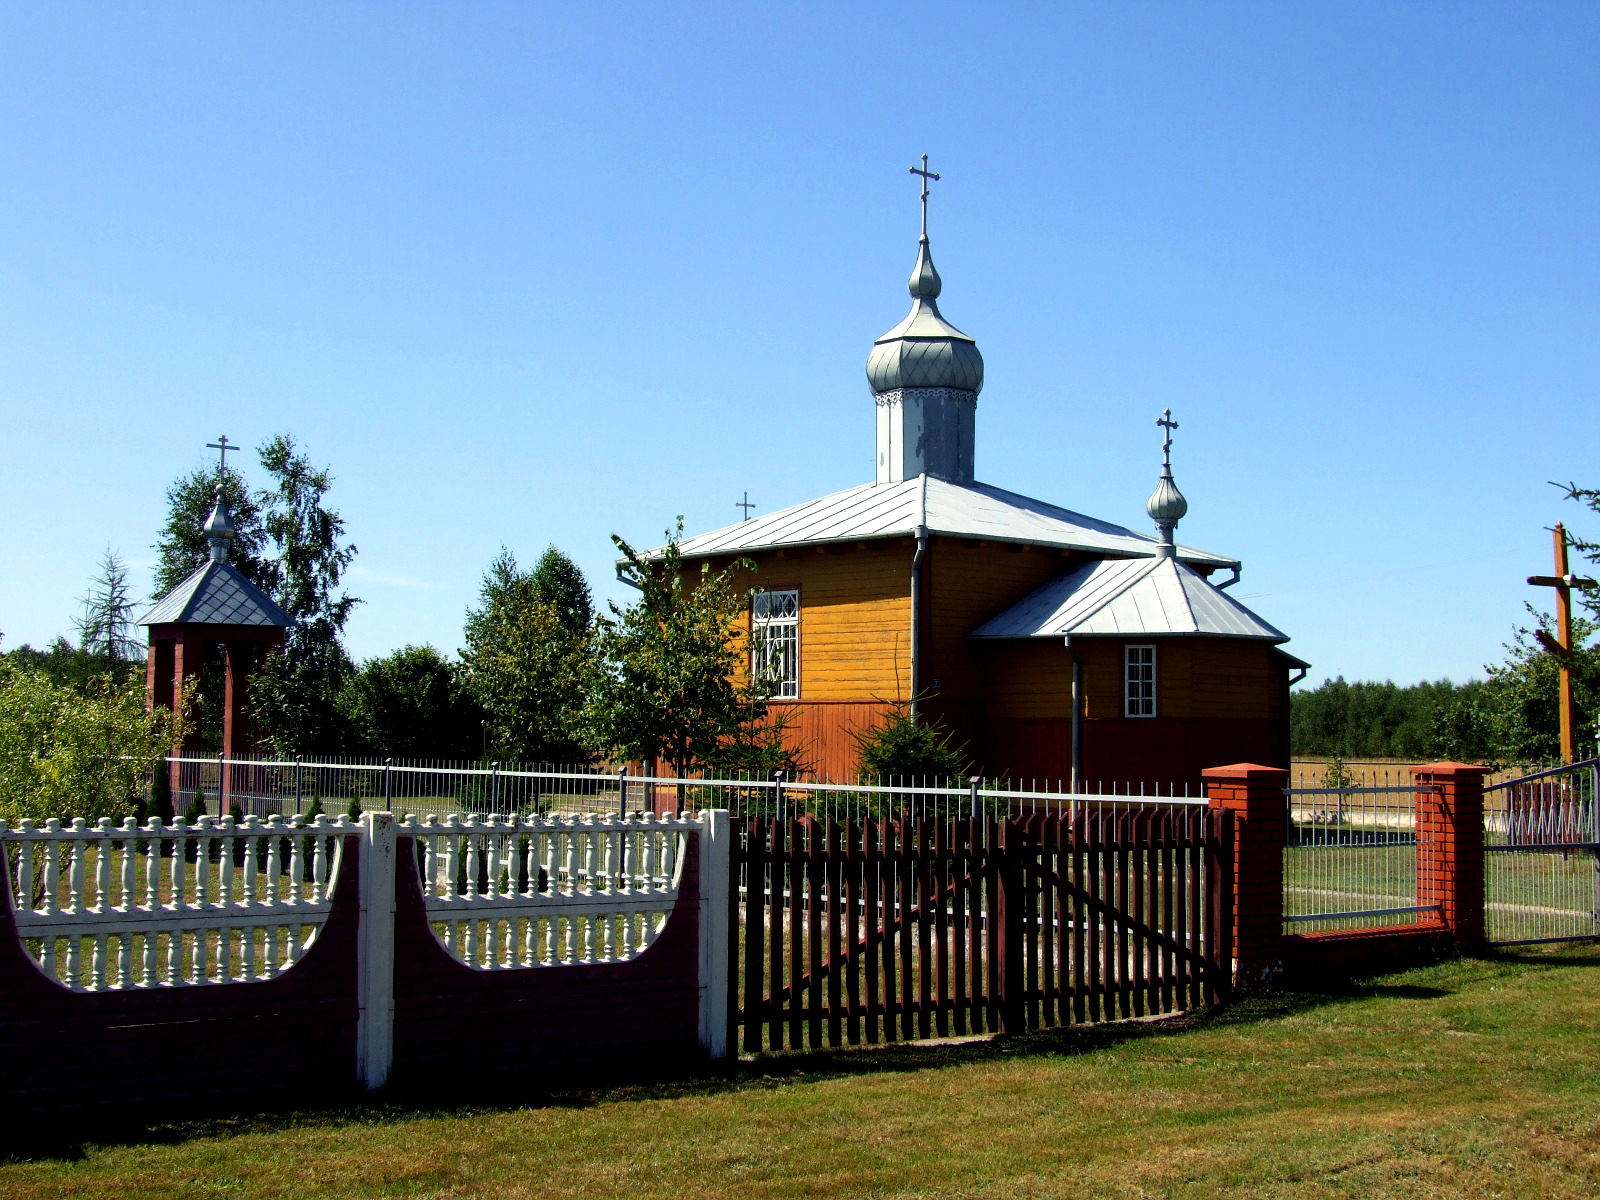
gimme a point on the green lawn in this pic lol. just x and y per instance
(1478, 1078)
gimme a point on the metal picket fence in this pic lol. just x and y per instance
(1350, 857)
(261, 786)
(1542, 860)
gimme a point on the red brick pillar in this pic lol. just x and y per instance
(1450, 846)
(1254, 795)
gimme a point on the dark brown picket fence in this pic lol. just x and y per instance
(904, 929)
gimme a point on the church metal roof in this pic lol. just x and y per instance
(1128, 597)
(216, 594)
(976, 510)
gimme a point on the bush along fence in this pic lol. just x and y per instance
(169, 966)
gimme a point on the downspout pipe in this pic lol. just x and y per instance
(916, 621)
(1077, 716)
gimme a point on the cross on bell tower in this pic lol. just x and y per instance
(222, 445)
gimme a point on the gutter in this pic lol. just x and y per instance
(1077, 715)
(916, 620)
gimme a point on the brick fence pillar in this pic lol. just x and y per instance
(1450, 846)
(1254, 795)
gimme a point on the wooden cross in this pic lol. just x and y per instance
(746, 505)
(222, 445)
(926, 176)
(1560, 646)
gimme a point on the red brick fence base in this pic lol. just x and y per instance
(1449, 828)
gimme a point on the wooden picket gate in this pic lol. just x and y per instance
(902, 929)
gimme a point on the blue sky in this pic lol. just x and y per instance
(526, 274)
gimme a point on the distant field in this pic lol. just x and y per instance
(1371, 772)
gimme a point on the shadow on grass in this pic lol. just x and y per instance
(772, 1070)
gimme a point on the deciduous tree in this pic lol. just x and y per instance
(671, 683)
(527, 660)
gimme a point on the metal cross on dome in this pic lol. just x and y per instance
(222, 445)
(1166, 422)
(926, 176)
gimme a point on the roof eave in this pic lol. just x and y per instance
(1200, 557)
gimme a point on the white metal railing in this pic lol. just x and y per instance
(102, 907)
(264, 785)
(509, 891)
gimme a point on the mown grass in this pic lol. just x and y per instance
(1477, 1078)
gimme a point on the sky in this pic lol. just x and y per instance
(525, 274)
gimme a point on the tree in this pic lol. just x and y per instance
(527, 662)
(411, 704)
(309, 558)
(182, 548)
(1521, 704)
(901, 748)
(671, 682)
(296, 693)
(556, 580)
(106, 630)
(70, 751)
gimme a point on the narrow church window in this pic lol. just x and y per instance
(1139, 681)
(775, 642)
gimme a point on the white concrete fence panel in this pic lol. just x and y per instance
(103, 907)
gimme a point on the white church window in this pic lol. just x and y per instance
(1139, 681)
(775, 642)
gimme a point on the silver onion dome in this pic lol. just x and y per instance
(219, 528)
(1166, 504)
(925, 350)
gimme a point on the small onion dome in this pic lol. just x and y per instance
(925, 350)
(1166, 505)
(219, 528)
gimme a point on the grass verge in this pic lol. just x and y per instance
(1477, 1078)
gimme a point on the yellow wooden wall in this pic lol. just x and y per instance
(967, 583)
(855, 615)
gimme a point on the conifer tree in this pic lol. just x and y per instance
(106, 629)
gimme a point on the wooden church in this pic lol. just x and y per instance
(1053, 646)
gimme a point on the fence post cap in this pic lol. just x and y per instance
(1253, 772)
(1450, 768)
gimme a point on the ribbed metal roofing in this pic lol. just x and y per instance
(1128, 597)
(976, 510)
(216, 594)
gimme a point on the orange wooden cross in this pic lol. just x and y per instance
(1560, 646)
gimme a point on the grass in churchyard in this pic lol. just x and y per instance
(1477, 1078)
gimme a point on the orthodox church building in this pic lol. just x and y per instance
(1051, 645)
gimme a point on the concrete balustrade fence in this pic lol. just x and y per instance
(105, 907)
(160, 968)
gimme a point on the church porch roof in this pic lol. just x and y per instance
(976, 510)
(1159, 597)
